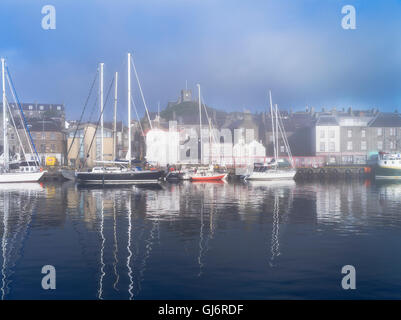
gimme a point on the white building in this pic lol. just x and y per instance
(162, 146)
(248, 153)
(327, 136)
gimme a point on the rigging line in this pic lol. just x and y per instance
(22, 122)
(16, 131)
(273, 133)
(136, 112)
(86, 129)
(22, 112)
(210, 126)
(140, 89)
(208, 118)
(100, 117)
(286, 143)
(83, 111)
(285, 140)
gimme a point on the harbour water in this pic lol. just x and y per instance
(257, 240)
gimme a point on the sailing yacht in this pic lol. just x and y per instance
(273, 171)
(123, 173)
(205, 174)
(22, 173)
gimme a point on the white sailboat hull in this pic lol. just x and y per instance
(272, 175)
(15, 177)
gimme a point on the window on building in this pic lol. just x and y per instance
(43, 135)
(393, 132)
(363, 133)
(332, 146)
(349, 133)
(281, 149)
(392, 145)
(322, 147)
(379, 132)
(379, 145)
(348, 159)
(52, 136)
(41, 107)
(363, 145)
(59, 108)
(52, 148)
(349, 145)
(30, 107)
(332, 134)
(321, 133)
(42, 148)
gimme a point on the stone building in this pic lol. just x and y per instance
(85, 149)
(384, 133)
(299, 129)
(48, 137)
(354, 137)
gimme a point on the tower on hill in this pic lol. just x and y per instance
(186, 95)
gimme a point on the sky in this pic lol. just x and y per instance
(236, 51)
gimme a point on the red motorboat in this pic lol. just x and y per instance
(211, 177)
(207, 174)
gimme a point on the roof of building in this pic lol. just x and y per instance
(386, 119)
(44, 125)
(73, 127)
(327, 121)
(354, 121)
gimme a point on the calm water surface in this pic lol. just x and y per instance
(201, 240)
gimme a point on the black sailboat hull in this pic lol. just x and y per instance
(132, 177)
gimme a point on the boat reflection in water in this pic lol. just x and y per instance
(18, 202)
(256, 239)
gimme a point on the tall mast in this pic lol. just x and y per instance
(101, 109)
(158, 110)
(5, 140)
(271, 115)
(210, 140)
(129, 110)
(277, 148)
(200, 122)
(141, 92)
(115, 120)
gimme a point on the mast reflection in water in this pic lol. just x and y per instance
(255, 240)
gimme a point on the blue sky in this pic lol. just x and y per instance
(236, 50)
